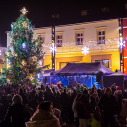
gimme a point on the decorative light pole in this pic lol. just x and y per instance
(121, 45)
(53, 48)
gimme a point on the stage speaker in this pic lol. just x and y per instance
(98, 78)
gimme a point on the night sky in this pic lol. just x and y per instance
(40, 11)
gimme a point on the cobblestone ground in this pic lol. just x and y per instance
(73, 125)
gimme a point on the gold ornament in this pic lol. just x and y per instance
(23, 63)
(24, 24)
(34, 58)
(31, 78)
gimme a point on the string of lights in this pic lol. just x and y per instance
(109, 45)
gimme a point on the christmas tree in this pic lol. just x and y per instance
(24, 54)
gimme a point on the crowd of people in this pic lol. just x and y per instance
(46, 106)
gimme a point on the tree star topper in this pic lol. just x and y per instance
(85, 50)
(24, 11)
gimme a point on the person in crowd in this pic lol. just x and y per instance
(119, 97)
(64, 105)
(93, 101)
(74, 108)
(113, 87)
(94, 120)
(123, 113)
(24, 97)
(69, 107)
(75, 84)
(44, 116)
(78, 88)
(83, 109)
(82, 87)
(17, 114)
(94, 87)
(57, 113)
(108, 104)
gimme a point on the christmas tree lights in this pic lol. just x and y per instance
(23, 54)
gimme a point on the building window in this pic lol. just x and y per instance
(79, 39)
(59, 40)
(41, 38)
(101, 37)
(104, 62)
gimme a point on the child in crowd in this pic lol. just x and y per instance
(57, 113)
(94, 120)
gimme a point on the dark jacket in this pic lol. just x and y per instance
(108, 104)
(83, 107)
(16, 116)
(24, 98)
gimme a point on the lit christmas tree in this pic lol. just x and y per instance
(24, 54)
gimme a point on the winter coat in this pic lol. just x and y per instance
(95, 123)
(74, 109)
(108, 104)
(83, 107)
(43, 119)
(16, 116)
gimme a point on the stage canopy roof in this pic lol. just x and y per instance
(117, 77)
(73, 69)
(48, 72)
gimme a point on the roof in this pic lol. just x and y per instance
(72, 69)
(48, 72)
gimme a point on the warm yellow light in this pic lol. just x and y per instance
(24, 11)
(8, 80)
(31, 78)
(23, 63)
(24, 24)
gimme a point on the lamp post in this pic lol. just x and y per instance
(121, 45)
(53, 45)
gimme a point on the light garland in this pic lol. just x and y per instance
(110, 45)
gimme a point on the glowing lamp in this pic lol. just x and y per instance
(31, 78)
(53, 48)
(121, 43)
(23, 63)
(38, 75)
(85, 50)
(40, 63)
(0, 52)
(12, 26)
(23, 45)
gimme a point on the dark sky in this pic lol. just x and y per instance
(40, 11)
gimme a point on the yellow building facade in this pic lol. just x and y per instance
(100, 38)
